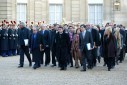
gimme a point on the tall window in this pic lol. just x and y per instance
(55, 13)
(21, 12)
(95, 13)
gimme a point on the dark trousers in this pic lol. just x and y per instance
(24, 49)
(86, 57)
(110, 62)
(4, 53)
(14, 51)
(53, 56)
(94, 56)
(70, 58)
(10, 52)
(47, 56)
(62, 57)
(36, 56)
(122, 54)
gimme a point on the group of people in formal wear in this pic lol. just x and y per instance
(80, 45)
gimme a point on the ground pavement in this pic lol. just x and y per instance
(11, 75)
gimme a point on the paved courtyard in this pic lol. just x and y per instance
(11, 75)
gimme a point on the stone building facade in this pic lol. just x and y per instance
(54, 11)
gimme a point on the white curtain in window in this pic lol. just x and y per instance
(95, 14)
(55, 13)
(21, 12)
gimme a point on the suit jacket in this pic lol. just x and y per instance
(44, 38)
(34, 42)
(122, 31)
(4, 39)
(96, 37)
(23, 33)
(52, 38)
(62, 41)
(84, 41)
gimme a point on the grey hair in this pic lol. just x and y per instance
(22, 24)
(43, 25)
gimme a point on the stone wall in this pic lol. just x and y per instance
(73, 10)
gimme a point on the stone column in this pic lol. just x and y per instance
(108, 11)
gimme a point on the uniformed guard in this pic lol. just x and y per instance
(4, 40)
(15, 39)
(10, 39)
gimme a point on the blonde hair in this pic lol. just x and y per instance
(109, 29)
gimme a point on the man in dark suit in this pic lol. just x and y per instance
(45, 36)
(122, 53)
(35, 48)
(95, 36)
(85, 38)
(23, 43)
(53, 32)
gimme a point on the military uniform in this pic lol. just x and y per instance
(4, 42)
(10, 40)
(15, 41)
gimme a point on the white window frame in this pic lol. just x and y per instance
(95, 17)
(25, 16)
(55, 20)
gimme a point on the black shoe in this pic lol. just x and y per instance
(65, 68)
(71, 66)
(83, 70)
(30, 64)
(53, 65)
(39, 65)
(120, 61)
(77, 67)
(109, 69)
(36, 66)
(20, 66)
(46, 65)
(61, 68)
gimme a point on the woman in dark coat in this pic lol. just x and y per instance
(62, 43)
(110, 48)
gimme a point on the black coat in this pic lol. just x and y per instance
(110, 46)
(96, 37)
(15, 38)
(23, 33)
(84, 41)
(10, 38)
(44, 38)
(4, 39)
(62, 43)
(52, 39)
(123, 33)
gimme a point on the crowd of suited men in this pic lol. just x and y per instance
(64, 45)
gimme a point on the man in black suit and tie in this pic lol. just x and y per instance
(23, 37)
(45, 39)
(95, 36)
(85, 38)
